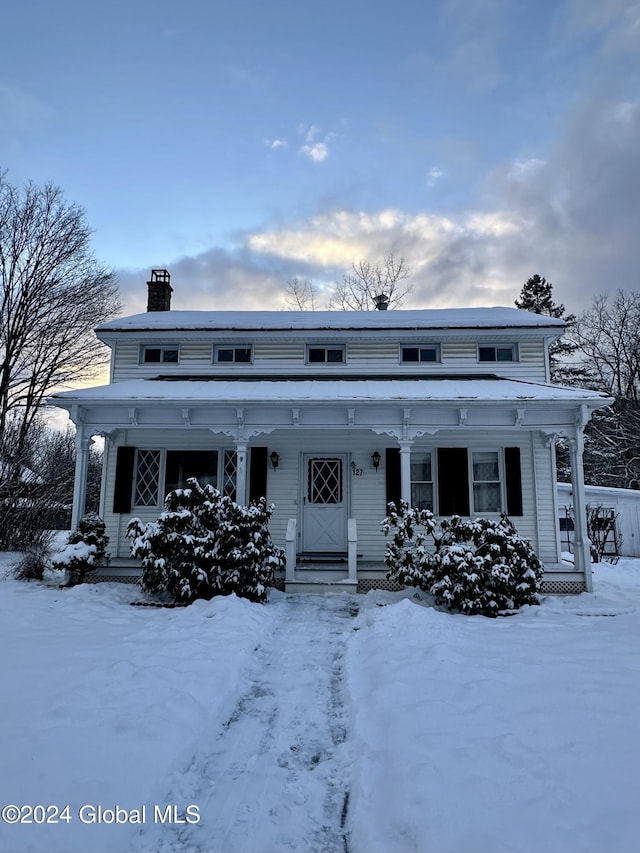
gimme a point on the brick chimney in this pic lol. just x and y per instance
(159, 291)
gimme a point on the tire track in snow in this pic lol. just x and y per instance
(275, 776)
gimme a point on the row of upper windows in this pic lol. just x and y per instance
(413, 354)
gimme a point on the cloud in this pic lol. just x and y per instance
(316, 152)
(315, 149)
(572, 217)
(276, 143)
(434, 175)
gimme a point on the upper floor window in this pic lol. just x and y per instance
(233, 355)
(416, 354)
(161, 355)
(497, 352)
(325, 355)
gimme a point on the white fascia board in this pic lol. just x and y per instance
(227, 336)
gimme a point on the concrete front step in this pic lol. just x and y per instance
(311, 586)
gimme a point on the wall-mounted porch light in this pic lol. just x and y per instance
(275, 459)
(375, 458)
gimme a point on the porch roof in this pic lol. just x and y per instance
(388, 389)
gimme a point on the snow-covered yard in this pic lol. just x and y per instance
(306, 725)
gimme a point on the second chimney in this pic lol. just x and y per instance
(381, 302)
(159, 291)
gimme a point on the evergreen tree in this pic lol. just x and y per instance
(537, 296)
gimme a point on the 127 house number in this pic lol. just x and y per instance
(358, 472)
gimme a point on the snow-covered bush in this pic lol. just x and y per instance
(407, 555)
(86, 549)
(476, 566)
(204, 544)
(32, 565)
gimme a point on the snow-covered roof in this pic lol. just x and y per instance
(444, 318)
(137, 391)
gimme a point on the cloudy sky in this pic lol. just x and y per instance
(239, 143)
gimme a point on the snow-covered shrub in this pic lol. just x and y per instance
(477, 565)
(86, 549)
(407, 556)
(32, 565)
(204, 544)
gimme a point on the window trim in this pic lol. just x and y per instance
(497, 346)
(159, 478)
(326, 347)
(234, 348)
(429, 451)
(436, 348)
(501, 482)
(162, 348)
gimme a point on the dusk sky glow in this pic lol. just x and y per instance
(239, 144)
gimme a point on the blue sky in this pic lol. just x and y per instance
(239, 144)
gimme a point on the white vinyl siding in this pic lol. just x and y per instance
(362, 356)
(366, 492)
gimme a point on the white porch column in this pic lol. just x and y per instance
(83, 443)
(405, 470)
(103, 477)
(241, 473)
(582, 551)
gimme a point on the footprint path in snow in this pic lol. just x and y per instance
(275, 776)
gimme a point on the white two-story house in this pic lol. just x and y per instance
(330, 415)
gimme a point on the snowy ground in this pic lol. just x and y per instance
(305, 725)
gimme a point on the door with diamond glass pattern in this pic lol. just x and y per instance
(324, 521)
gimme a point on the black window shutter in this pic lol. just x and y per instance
(392, 471)
(453, 481)
(513, 477)
(257, 473)
(124, 479)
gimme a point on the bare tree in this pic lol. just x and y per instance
(53, 293)
(609, 337)
(301, 294)
(359, 288)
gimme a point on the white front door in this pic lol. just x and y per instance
(324, 516)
